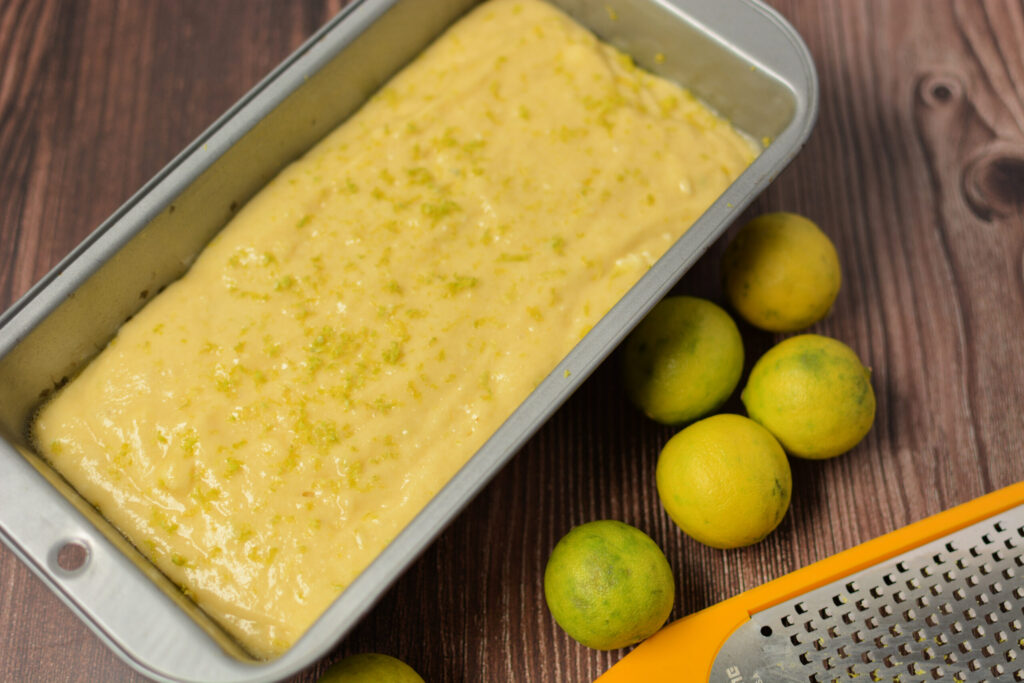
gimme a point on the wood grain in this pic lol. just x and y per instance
(916, 171)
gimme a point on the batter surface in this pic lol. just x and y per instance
(267, 425)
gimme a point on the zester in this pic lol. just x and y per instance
(939, 600)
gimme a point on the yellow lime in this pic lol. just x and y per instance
(683, 360)
(725, 481)
(608, 585)
(813, 394)
(370, 668)
(781, 272)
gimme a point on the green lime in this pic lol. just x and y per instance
(370, 668)
(683, 360)
(814, 394)
(608, 585)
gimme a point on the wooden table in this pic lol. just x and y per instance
(916, 171)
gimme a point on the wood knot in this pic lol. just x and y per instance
(993, 180)
(938, 90)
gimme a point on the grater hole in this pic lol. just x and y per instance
(1020, 531)
(901, 567)
(895, 631)
(1015, 625)
(951, 547)
(813, 678)
(795, 639)
(923, 602)
(998, 670)
(889, 580)
(910, 615)
(950, 658)
(950, 576)
(838, 600)
(998, 555)
(970, 614)
(904, 649)
(996, 588)
(988, 651)
(985, 568)
(1010, 544)
(913, 584)
(766, 631)
(862, 605)
(986, 539)
(1019, 560)
(1010, 656)
(1019, 675)
(975, 552)
(843, 652)
(958, 594)
(787, 621)
(805, 658)
(809, 626)
(962, 563)
(991, 618)
(889, 662)
(938, 673)
(848, 618)
(965, 647)
(998, 526)
(1019, 592)
(852, 586)
(1005, 606)
(1000, 637)
(982, 599)
(828, 663)
(1008, 573)
(867, 657)
(978, 632)
(941, 639)
(819, 644)
(885, 611)
(946, 609)
(877, 592)
(825, 613)
(973, 580)
(800, 608)
(955, 628)
(936, 589)
(833, 632)
(857, 637)
(974, 665)
(919, 635)
(871, 622)
(931, 620)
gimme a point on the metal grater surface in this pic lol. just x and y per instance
(951, 610)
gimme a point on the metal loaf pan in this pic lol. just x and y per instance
(737, 55)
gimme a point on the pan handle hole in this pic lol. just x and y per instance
(73, 556)
(766, 631)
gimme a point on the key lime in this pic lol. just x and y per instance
(781, 272)
(725, 481)
(814, 394)
(683, 360)
(608, 585)
(370, 668)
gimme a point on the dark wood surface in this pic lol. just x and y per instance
(916, 171)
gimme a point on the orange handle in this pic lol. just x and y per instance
(689, 646)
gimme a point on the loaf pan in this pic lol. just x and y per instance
(737, 55)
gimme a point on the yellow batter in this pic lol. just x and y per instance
(263, 428)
